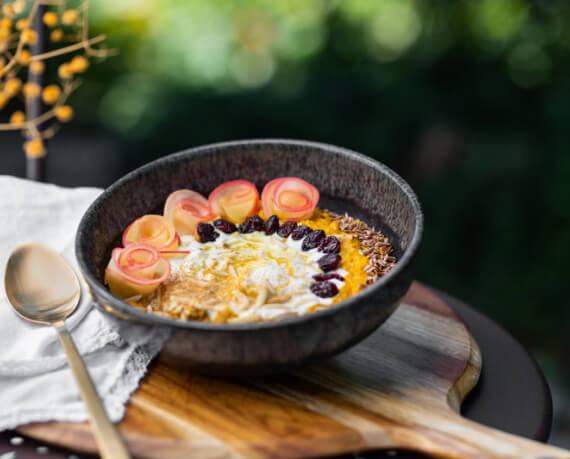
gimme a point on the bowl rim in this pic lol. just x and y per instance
(144, 316)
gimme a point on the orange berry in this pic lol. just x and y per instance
(50, 94)
(19, 6)
(69, 17)
(29, 36)
(17, 117)
(37, 67)
(56, 35)
(6, 23)
(31, 90)
(64, 71)
(64, 113)
(8, 10)
(22, 24)
(12, 86)
(34, 148)
(79, 64)
(50, 19)
(3, 99)
(4, 34)
(24, 57)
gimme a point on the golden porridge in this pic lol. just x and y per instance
(236, 258)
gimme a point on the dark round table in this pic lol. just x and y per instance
(511, 395)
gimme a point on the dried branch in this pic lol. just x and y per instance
(84, 44)
(15, 57)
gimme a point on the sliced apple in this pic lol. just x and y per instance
(155, 230)
(267, 197)
(185, 209)
(235, 200)
(289, 198)
(137, 269)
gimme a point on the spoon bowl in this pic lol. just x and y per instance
(43, 288)
(40, 285)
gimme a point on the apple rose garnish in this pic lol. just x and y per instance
(138, 269)
(235, 200)
(289, 198)
(155, 230)
(185, 209)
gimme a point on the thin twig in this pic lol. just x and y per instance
(50, 132)
(85, 33)
(69, 49)
(12, 62)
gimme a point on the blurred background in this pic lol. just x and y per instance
(468, 100)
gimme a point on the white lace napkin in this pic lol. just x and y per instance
(36, 384)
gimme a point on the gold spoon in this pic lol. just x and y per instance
(43, 288)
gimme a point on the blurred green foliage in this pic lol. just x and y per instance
(467, 99)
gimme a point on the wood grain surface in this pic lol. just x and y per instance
(402, 387)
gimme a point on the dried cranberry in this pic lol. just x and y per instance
(330, 244)
(286, 229)
(324, 289)
(256, 223)
(329, 262)
(328, 276)
(225, 226)
(300, 232)
(207, 232)
(272, 224)
(245, 227)
(252, 224)
(313, 239)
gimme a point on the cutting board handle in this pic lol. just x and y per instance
(457, 437)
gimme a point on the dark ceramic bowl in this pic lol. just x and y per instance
(348, 182)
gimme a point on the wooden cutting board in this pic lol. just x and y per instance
(400, 388)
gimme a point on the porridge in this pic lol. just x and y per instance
(236, 258)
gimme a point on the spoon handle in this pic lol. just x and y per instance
(107, 437)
